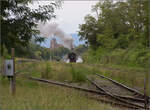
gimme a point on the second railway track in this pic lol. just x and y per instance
(118, 91)
(131, 90)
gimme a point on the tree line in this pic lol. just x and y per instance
(118, 29)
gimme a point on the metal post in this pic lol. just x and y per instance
(50, 57)
(13, 78)
(148, 76)
(145, 95)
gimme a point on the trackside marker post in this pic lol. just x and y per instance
(9, 71)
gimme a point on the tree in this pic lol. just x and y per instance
(58, 53)
(19, 22)
(38, 55)
(117, 25)
(80, 49)
(88, 31)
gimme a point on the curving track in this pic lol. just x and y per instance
(100, 95)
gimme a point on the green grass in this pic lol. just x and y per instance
(37, 96)
(133, 77)
(77, 75)
(56, 71)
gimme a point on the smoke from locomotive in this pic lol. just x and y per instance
(53, 29)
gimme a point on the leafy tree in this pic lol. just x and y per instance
(38, 54)
(119, 33)
(80, 49)
(117, 25)
(88, 31)
(19, 22)
(58, 53)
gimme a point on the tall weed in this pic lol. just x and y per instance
(47, 71)
(77, 75)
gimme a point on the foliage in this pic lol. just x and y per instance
(119, 34)
(19, 22)
(36, 51)
(80, 49)
(117, 25)
(58, 53)
(88, 31)
(127, 57)
(5, 53)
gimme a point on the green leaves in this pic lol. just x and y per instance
(19, 22)
(117, 25)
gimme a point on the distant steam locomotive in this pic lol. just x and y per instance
(72, 57)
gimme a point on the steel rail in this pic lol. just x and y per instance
(66, 85)
(89, 90)
(83, 89)
(122, 85)
(131, 98)
(115, 103)
(112, 96)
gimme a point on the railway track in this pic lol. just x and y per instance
(136, 92)
(126, 94)
(101, 94)
(115, 97)
(134, 100)
(140, 97)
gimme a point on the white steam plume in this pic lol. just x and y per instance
(52, 29)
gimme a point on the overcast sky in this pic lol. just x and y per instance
(71, 14)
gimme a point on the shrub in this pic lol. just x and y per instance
(130, 57)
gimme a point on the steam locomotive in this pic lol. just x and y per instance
(72, 57)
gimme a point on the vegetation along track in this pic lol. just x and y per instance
(95, 94)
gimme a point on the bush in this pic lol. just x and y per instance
(129, 57)
(5, 52)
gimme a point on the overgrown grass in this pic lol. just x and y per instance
(77, 75)
(133, 77)
(56, 71)
(37, 96)
(46, 71)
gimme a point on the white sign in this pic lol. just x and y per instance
(9, 68)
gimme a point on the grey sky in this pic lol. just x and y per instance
(71, 14)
